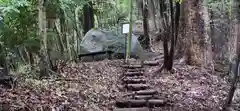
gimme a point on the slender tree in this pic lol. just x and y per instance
(44, 58)
(129, 43)
(146, 39)
(88, 17)
(169, 32)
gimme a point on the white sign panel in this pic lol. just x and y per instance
(125, 28)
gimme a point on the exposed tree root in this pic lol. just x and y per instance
(159, 70)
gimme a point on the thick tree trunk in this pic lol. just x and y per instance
(234, 33)
(88, 17)
(197, 44)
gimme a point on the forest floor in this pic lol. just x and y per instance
(94, 86)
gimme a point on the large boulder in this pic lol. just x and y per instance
(98, 40)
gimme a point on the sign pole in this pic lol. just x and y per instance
(125, 53)
(125, 31)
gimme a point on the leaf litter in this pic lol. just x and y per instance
(90, 86)
(190, 88)
(94, 86)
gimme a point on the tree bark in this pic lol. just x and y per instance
(197, 49)
(234, 37)
(88, 17)
(31, 58)
(44, 58)
(140, 7)
(169, 64)
(152, 12)
(169, 35)
(78, 39)
(63, 28)
(60, 36)
(146, 39)
(235, 48)
(129, 40)
(180, 49)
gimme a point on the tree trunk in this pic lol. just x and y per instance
(170, 34)
(88, 17)
(233, 86)
(169, 64)
(31, 58)
(63, 28)
(44, 61)
(146, 39)
(197, 49)
(140, 7)
(129, 40)
(77, 11)
(180, 49)
(60, 36)
(235, 48)
(177, 19)
(235, 24)
(152, 12)
(3, 62)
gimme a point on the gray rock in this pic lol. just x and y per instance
(98, 40)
